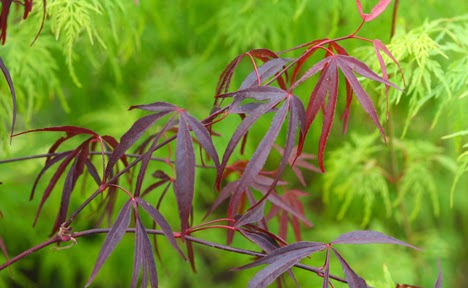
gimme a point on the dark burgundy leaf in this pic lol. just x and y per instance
(185, 175)
(149, 265)
(6, 73)
(354, 281)
(376, 11)
(248, 121)
(203, 137)
(260, 155)
(326, 272)
(147, 156)
(265, 71)
(438, 283)
(252, 215)
(138, 258)
(161, 221)
(112, 239)
(44, 169)
(93, 171)
(130, 137)
(263, 240)
(368, 237)
(53, 181)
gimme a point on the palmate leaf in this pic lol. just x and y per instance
(260, 93)
(327, 85)
(79, 159)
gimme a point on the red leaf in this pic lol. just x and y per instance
(112, 239)
(329, 112)
(376, 11)
(6, 73)
(348, 65)
(354, 281)
(185, 174)
(379, 46)
(367, 237)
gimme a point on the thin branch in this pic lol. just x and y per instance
(57, 239)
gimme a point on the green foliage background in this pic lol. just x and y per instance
(94, 59)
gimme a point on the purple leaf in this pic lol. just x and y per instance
(280, 261)
(147, 156)
(149, 265)
(130, 137)
(185, 175)
(248, 121)
(326, 268)
(252, 215)
(265, 71)
(263, 240)
(376, 11)
(438, 283)
(112, 239)
(6, 73)
(260, 155)
(138, 257)
(302, 248)
(161, 221)
(156, 107)
(368, 237)
(203, 137)
(354, 281)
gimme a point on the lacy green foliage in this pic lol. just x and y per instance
(69, 19)
(420, 161)
(354, 173)
(462, 162)
(434, 58)
(40, 77)
(37, 77)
